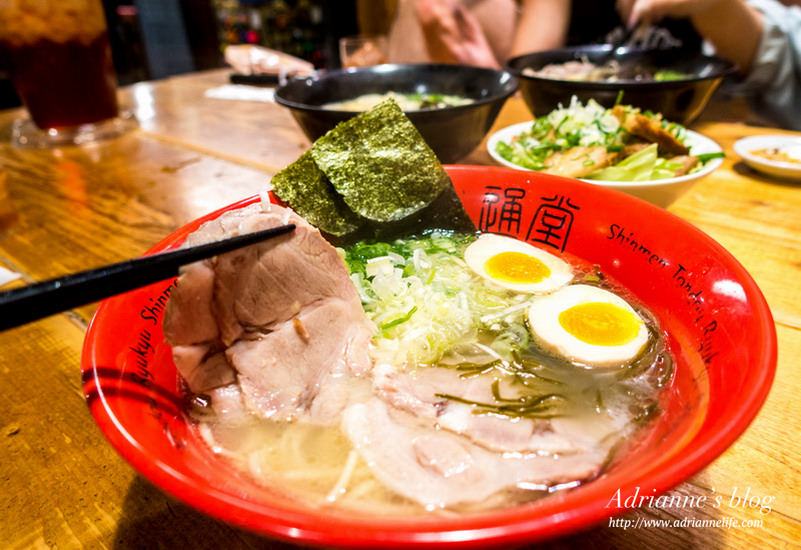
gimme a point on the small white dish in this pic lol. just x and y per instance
(791, 145)
(659, 192)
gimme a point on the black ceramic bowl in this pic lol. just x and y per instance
(452, 132)
(680, 100)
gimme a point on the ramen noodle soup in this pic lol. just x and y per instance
(583, 70)
(60, 60)
(407, 102)
(440, 374)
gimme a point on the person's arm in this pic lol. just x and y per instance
(542, 26)
(453, 35)
(731, 26)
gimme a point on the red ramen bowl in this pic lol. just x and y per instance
(719, 329)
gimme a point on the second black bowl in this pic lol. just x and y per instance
(452, 132)
(679, 100)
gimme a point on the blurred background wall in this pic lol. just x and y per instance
(153, 39)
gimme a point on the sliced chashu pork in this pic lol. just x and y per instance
(254, 287)
(438, 468)
(304, 366)
(281, 318)
(419, 393)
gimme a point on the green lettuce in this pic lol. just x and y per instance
(644, 165)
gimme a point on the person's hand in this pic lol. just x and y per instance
(634, 12)
(733, 27)
(453, 35)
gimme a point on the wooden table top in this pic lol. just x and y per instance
(70, 209)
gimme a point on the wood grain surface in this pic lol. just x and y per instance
(69, 209)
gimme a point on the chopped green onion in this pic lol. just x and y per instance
(703, 157)
(399, 320)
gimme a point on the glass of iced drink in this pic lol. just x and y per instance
(59, 60)
(362, 51)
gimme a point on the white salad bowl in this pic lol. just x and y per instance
(663, 192)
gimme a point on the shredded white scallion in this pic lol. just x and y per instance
(427, 299)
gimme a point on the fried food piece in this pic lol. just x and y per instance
(649, 129)
(578, 162)
(633, 148)
(687, 163)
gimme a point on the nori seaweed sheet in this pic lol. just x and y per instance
(380, 165)
(307, 190)
(386, 173)
(446, 212)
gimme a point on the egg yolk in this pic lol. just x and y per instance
(516, 267)
(600, 324)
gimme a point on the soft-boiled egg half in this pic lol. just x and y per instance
(588, 325)
(517, 265)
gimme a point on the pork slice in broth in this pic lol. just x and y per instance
(419, 393)
(281, 318)
(302, 367)
(439, 469)
(201, 369)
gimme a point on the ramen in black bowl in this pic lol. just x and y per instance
(673, 82)
(452, 127)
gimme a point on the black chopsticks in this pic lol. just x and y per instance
(23, 305)
(619, 42)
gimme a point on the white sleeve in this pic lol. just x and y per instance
(773, 86)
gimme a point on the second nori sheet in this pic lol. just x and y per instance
(380, 165)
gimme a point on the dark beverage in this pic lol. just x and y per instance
(65, 84)
(59, 60)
